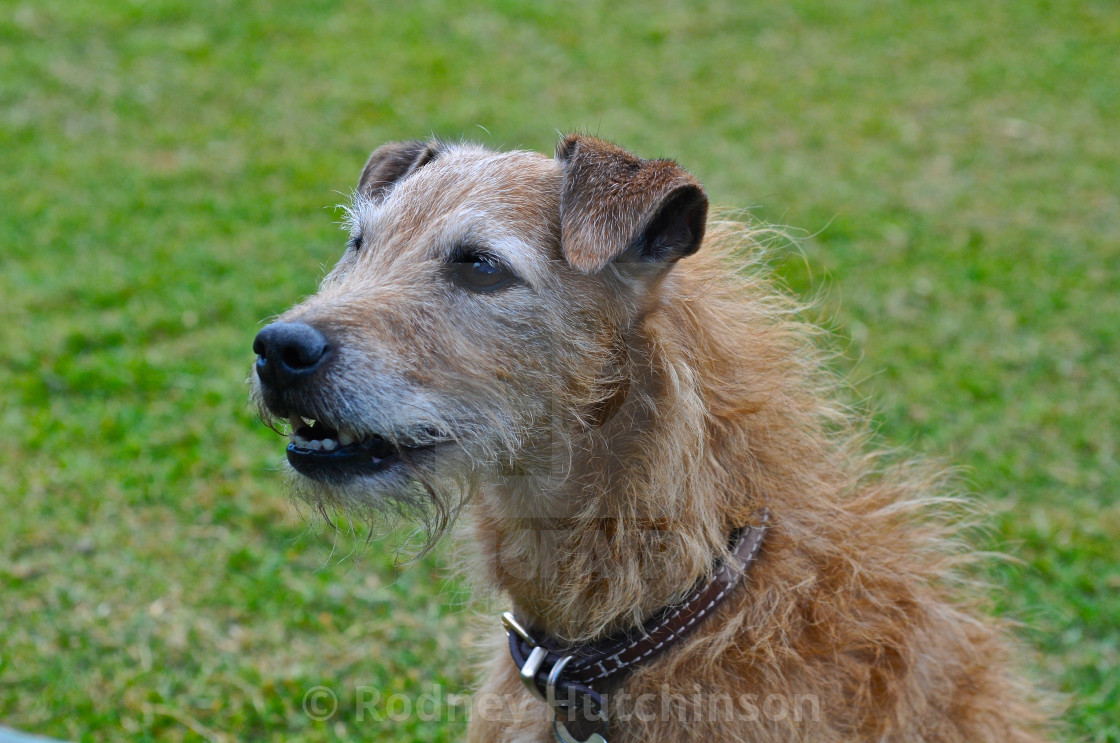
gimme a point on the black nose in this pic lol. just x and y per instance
(288, 352)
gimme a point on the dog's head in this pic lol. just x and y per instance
(478, 320)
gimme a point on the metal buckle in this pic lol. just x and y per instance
(536, 657)
(509, 621)
(559, 729)
(528, 673)
(550, 685)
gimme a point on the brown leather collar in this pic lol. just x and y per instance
(571, 678)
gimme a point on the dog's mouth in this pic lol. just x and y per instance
(322, 452)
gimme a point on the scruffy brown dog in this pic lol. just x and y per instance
(695, 542)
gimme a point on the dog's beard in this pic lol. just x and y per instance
(430, 489)
(427, 494)
(484, 441)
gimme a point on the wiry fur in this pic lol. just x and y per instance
(613, 420)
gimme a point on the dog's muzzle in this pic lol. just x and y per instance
(292, 358)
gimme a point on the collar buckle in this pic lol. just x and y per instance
(563, 705)
(536, 659)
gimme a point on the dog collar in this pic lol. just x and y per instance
(566, 676)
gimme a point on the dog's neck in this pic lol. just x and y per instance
(630, 524)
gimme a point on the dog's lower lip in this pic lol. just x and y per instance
(328, 459)
(351, 458)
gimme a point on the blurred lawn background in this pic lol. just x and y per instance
(167, 174)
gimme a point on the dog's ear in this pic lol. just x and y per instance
(391, 162)
(617, 207)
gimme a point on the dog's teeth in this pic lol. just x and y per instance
(313, 445)
(345, 439)
(329, 445)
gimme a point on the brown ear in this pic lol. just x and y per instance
(617, 207)
(391, 162)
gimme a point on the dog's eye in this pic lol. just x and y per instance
(480, 273)
(354, 243)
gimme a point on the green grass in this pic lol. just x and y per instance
(167, 169)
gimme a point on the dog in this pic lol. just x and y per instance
(694, 536)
